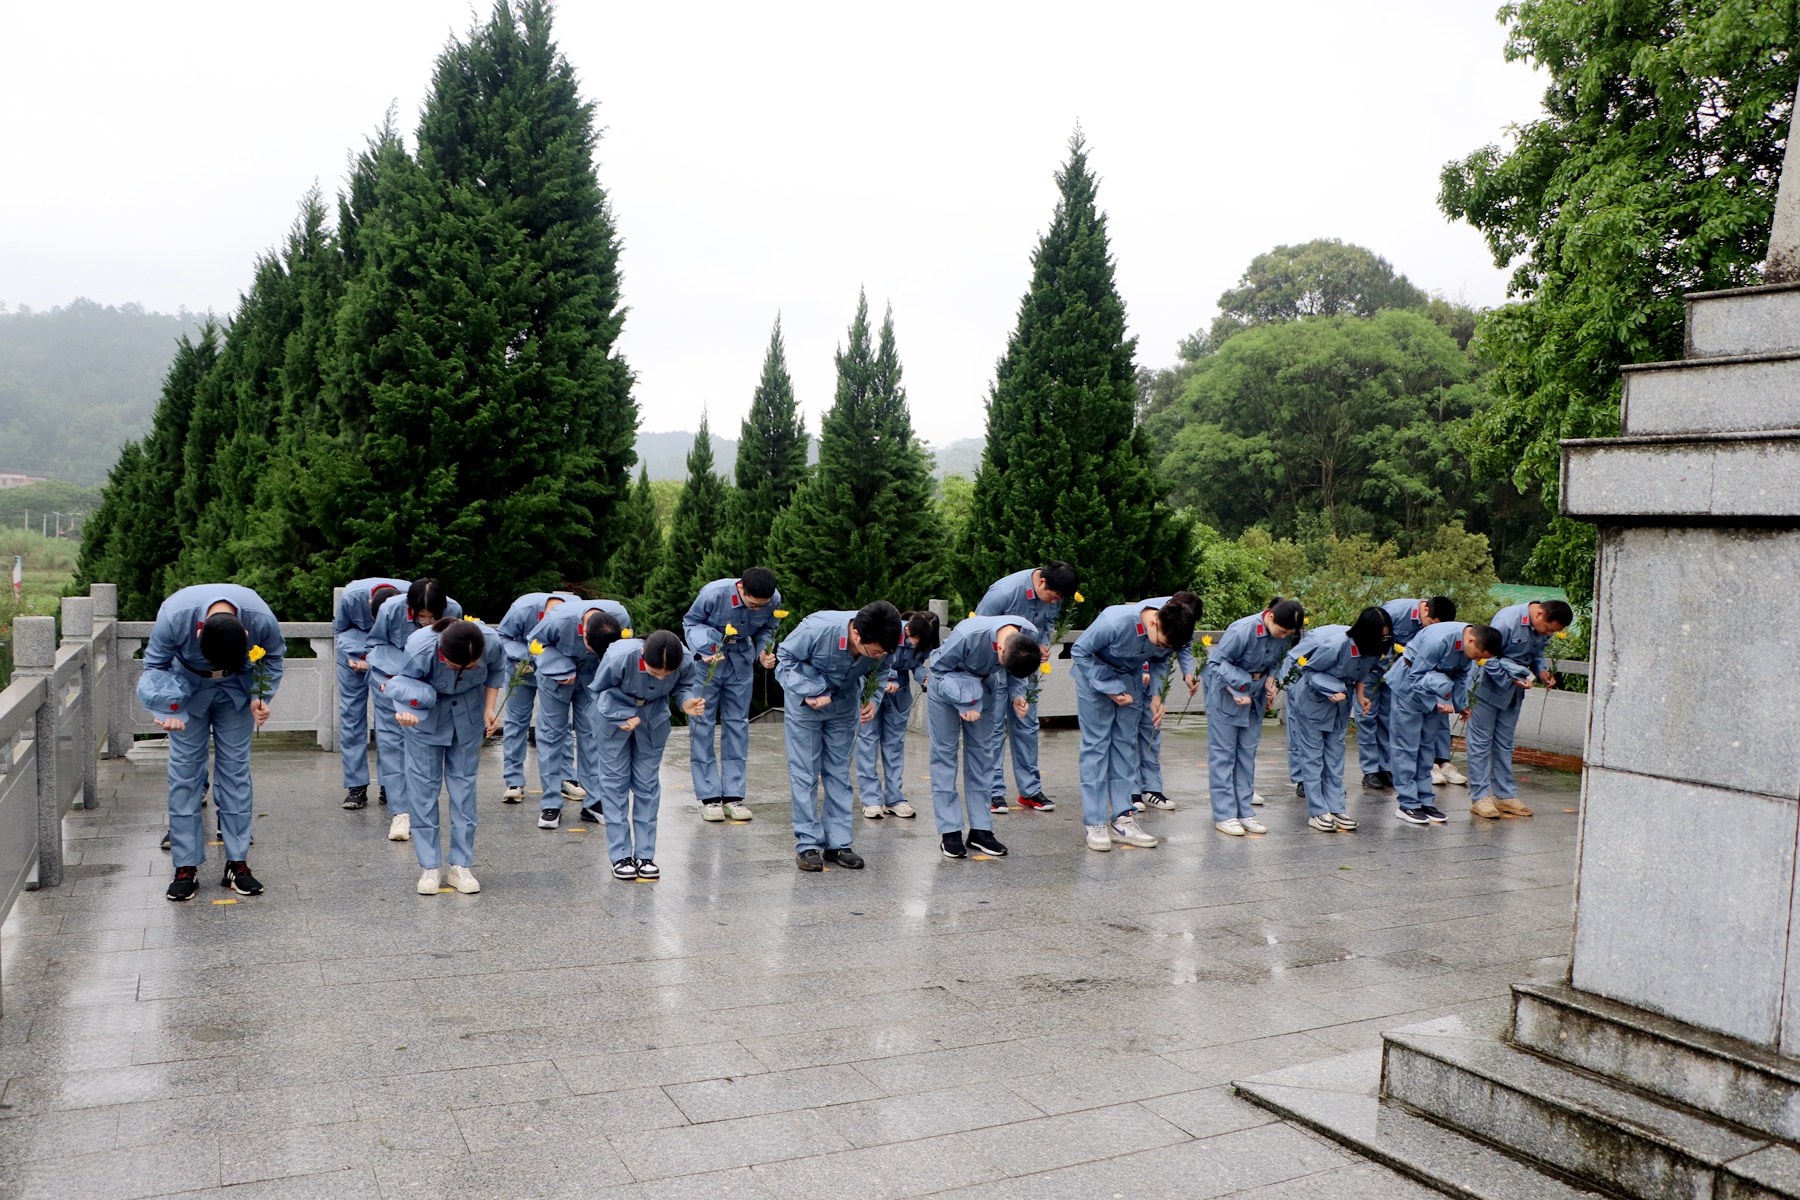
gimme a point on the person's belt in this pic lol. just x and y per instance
(207, 674)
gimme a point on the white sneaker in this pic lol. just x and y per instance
(1099, 837)
(512, 795)
(1252, 825)
(1438, 778)
(1344, 823)
(1325, 823)
(737, 810)
(1232, 826)
(428, 881)
(873, 812)
(463, 879)
(573, 791)
(1452, 775)
(1256, 798)
(903, 809)
(1159, 802)
(713, 811)
(1126, 832)
(400, 828)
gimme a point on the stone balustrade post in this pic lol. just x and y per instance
(34, 656)
(106, 699)
(78, 630)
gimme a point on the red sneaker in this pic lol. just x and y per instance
(1037, 803)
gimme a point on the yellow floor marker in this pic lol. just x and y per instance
(224, 901)
(578, 829)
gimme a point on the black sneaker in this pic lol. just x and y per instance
(997, 804)
(165, 841)
(953, 845)
(648, 869)
(357, 797)
(983, 841)
(185, 883)
(1372, 782)
(846, 858)
(383, 800)
(625, 868)
(1137, 802)
(549, 818)
(810, 860)
(1387, 779)
(239, 879)
(1413, 816)
(1434, 814)
(1037, 803)
(592, 817)
(1300, 790)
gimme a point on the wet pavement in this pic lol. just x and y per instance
(1055, 1023)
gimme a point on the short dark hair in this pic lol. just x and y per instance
(1060, 578)
(1443, 608)
(599, 629)
(426, 595)
(1289, 614)
(758, 582)
(224, 641)
(380, 594)
(1558, 611)
(878, 624)
(1486, 639)
(663, 650)
(1370, 631)
(924, 626)
(1177, 617)
(461, 642)
(1021, 655)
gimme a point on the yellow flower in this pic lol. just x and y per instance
(1561, 633)
(537, 647)
(1080, 599)
(625, 632)
(781, 614)
(1303, 660)
(1044, 669)
(257, 653)
(971, 612)
(1399, 649)
(731, 631)
(467, 617)
(1207, 640)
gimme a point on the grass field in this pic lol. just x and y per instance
(49, 568)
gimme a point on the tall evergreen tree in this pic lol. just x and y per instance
(863, 526)
(641, 552)
(1066, 472)
(771, 462)
(699, 517)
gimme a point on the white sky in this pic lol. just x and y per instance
(765, 158)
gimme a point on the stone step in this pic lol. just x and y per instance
(1743, 1084)
(1589, 1129)
(1717, 395)
(1758, 320)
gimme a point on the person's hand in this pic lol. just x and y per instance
(260, 710)
(1548, 678)
(969, 714)
(1021, 706)
(1523, 685)
(1240, 701)
(1338, 697)
(632, 724)
(1269, 690)
(1157, 708)
(358, 664)
(817, 701)
(768, 659)
(714, 658)
(1193, 683)
(1463, 713)
(1043, 654)
(171, 724)
(1445, 708)
(1122, 699)
(693, 708)
(408, 719)
(1368, 705)
(892, 688)
(866, 713)
(494, 723)
(565, 682)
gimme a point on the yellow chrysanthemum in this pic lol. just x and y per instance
(1562, 633)
(731, 631)
(1399, 649)
(257, 653)
(1303, 660)
(466, 617)
(971, 612)
(1080, 599)
(1206, 641)
(537, 647)
(1044, 669)
(625, 632)
(781, 614)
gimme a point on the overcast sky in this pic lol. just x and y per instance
(774, 158)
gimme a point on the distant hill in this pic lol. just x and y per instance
(666, 454)
(960, 457)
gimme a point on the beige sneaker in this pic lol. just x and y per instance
(1257, 799)
(1344, 823)
(1512, 808)
(873, 812)
(1324, 823)
(903, 809)
(1438, 778)
(573, 791)
(428, 881)
(1252, 825)
(1126, 832)
(513, 794)
(1099, 837)
(712, 811)
(1231, 825)
(400, 828)
(1485, 807)
(1452, 775)
(463, 880)
(737, 810)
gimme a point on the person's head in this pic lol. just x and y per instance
(757, 586)
(1284, 617)
(662, 653)
(380, 594)
(426, 601)
(460, 643)
(1438, 608)
(599, 630)
(1019, 654)
(922, 630)
(876, 629)
(1176, 619)
(1059, 579)
(1551, 616)
(224, 641)
(1371, 632)
(1481, 641)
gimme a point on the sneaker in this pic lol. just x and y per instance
(1300, 790)
(513, 794)
(1512, 808)
(1258, 799)
(1038, 803)
(238, 878)
(1438, 778)
(185, 883)
(1252, 825)
(846, 858)
(1231, 826)
(1325, 823)
(737, 810)
(1159, 802)
(625, 868)
(997, 804)
(1413, 816)
(712, 810)
(1125, 831)
(873, 812)
(810, 860)
(429, 882)
(165, 841)
(1435, 815)
(1372, 782)
(462, 879)
(573, 791)
(383, 800)
(647, 869)
(591, 817)
(400, 828)
(983, 841)
(357, 797)
(903, 810)
(1485, 807)
(952, 845)
(1452, 775)
(1137, 802)
(1344, 824)
(549, 818)
(1099, 837)
(1387, 779)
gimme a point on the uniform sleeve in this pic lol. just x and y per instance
(1100, 673)
(1233, 643)
(703, 637)
(350, 641)
(607, 685)
(497, 668)
(274, 661)
(554, 632)
(1185, 657)
(512, 629)
(407, 692)
(687, 681)
(793, 670)
(763, 638)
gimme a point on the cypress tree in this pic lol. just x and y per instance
(862, 527)
(771, 462)
(699, 515)
(637, 558)
(1066, 472)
